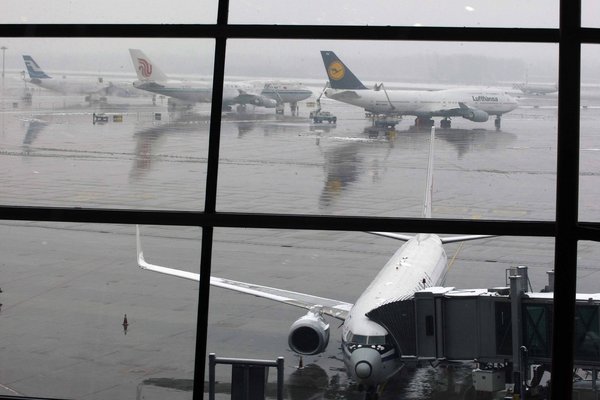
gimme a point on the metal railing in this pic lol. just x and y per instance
(249, 383)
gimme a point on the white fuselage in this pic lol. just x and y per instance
(70, 86)
(233, 92)
(283, 92)
(422, 103)
(369, 353)
(192, 91)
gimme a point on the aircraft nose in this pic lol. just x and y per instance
(367, 363)
(363, 369)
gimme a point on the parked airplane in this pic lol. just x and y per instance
(95, 89)
(186, 93)
(538, 89)
(371, 354)
(474, 104)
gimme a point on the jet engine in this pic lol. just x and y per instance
(309, 334)
(476, 115)
(264, 102)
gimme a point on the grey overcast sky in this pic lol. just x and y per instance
(280, 58)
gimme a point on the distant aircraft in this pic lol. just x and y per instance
(371, 353)
(93, 89)
(186, 93)
(474, 104)
(538, 89)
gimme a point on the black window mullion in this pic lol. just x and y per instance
(210, 201)
(567, 190)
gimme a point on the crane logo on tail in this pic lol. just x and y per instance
(145, 67)
(336, 70)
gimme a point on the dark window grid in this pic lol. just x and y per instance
(565, 229)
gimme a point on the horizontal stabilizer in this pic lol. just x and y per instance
(397, 236)
(463, 238)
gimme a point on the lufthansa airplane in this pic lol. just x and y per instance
(186, 93)
(371, 354)
(474, 104)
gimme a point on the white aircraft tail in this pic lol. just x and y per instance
(34, 70)
(429, 185)
(145, 69)
(427, 204)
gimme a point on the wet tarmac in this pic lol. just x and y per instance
(67, 287)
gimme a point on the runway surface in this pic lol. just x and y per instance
(67, 287)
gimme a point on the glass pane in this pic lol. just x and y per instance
(590, 10)
(587, 267)
(81, 320)
(589, 209)
(108, 11)
(538, 13)
(341, 161)
(339, 266)
(75, 131)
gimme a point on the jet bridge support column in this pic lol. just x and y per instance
(518, 285)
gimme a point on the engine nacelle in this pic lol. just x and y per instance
(309, 334)
(263, 101)
(476, 115)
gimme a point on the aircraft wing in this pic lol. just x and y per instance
(333, 308)
(245, 97)
(439, 109)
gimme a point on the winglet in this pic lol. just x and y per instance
(157, 268)
(140, 253)
(340, 76)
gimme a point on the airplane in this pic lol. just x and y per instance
(94, 90)
(286, 92)
(537, 89)
(371, 354)
(474, 104)
(186, 93)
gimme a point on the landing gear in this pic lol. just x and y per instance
(294, 108)
(445, 123)
(421, 123)
(279, 109)
(371, 393)
(497, 123)
(241, 108)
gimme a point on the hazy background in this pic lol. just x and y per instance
(428, 62)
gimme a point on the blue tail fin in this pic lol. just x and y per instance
(35, 72)
(340, 76)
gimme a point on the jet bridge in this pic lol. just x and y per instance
(488, 325)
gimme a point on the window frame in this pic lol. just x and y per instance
(566, 228)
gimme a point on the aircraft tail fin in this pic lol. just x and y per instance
(145, 69)
(34, 70)
(340, 76)
(429, 185)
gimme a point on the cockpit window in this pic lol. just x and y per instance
(376, 340)
(361, 339)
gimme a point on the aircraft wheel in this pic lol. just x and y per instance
(497, 123)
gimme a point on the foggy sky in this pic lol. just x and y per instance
(380, 61)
